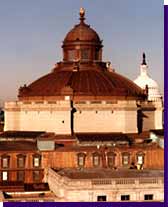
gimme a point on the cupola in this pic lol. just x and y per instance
(82, 43)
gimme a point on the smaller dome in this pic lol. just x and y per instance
(144, 80)
(82, 31)
(153, 88)
(82, 42)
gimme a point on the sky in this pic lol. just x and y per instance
(31, 35)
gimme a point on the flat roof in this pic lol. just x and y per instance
(17, 146)
(21, 134)
(102, 173)
(95, 137)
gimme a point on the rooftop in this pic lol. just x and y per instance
(101, 137)
(108, 173)
(17, 146)
(21, 134)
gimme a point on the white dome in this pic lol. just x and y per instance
(144, 80)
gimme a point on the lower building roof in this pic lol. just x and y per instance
(21, 134)
(101, 173)
(17, 146)
(100, 137)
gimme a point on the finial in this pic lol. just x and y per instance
(82, 14)
(144, 59)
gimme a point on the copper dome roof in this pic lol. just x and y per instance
(82, 31)
(88, 81)
(84, 79)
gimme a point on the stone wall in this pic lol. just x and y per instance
(106, 117)
(36, 116)
(89, 116)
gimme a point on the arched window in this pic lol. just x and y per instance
(71, 55)
(84, 54)
(21, 160)
(125, 158)
(5, 161)
(81, 159)
(96, 159)
(36, 160)
(111, 159)
(140, 158)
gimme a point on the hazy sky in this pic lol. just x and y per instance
(32, 31)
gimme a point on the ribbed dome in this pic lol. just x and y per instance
(85, 82)
(82, 32)
(82, 42)
(88, 77)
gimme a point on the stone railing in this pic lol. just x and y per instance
(97, 183)
(37, 105)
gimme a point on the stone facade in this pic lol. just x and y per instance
(112, 189)
(106, 116)
(38, 116)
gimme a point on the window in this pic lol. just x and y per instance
(97, 54)
(125, 197)
(5, 161)
(20, 175)
(111, 159)
(4, 176)
(71, 55)
(20, 161)
(81, 159)
(37, 160)
(84, 54)
(36, 175)
(148, 197)
(140, 158)
(125, 158)
(96, 159)
(101, 198)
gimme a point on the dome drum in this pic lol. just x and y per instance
(82, 52)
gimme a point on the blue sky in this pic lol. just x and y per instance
(31, 35)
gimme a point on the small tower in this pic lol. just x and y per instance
(153, 94)
(144, 80)
(82, 43)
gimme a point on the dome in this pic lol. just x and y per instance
(143, 81)
(82, 42)
(153, 88)
(82, 31)
(89, 81)
(82, 74)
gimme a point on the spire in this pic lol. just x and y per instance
(82, 15)
(143, 59)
